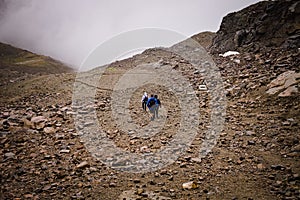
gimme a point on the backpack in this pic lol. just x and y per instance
(158, 101)
(145, 99)
(151, 102)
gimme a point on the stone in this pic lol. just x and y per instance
(197, 160)
(145, 149)
(38, 119)
(280, 80)
(289, 91)
(274, 90)
(296, 176)
(260, 166)
(40, 125)
(250, 133)
(284, 83)
(64, 151)
(47, 187)
(27, 123)
(49, 130)
(189, 185)
(71, 113)
(101, 104)
(277, 167)
(112, 184)
(140, 191)
(82, 165)
(28, 196)
(9, 155)
(296, 148)
(238, 61)
(202, 88)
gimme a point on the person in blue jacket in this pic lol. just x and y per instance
(158, 105)
(152, 104)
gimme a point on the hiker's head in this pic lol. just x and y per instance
(145, 93)
(152, 95)
(155, 96)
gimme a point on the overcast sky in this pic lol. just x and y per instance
(68, 30)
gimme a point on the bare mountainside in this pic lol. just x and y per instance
(16, 64)
(46, 154)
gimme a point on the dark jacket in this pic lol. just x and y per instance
(150, 100)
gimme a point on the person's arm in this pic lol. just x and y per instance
(148, 102)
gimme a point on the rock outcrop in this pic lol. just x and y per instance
(286, 83)
(265, 24)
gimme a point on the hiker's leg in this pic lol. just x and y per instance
(152, 115)
(152, 111)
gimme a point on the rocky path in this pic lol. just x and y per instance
(43, 156)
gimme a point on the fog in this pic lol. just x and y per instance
(68, 30)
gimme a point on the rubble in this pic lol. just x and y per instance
(43, 154)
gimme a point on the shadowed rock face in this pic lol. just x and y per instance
(268, 23)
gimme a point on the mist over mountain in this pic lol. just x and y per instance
(69, 30)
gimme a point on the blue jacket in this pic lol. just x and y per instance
(150, 99)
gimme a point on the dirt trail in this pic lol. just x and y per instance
(256, 155)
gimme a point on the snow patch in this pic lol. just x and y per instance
(229, 53)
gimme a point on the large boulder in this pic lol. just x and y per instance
(286, 83)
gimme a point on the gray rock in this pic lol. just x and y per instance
(9, 155)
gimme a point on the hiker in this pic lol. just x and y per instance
(144, 101)
(157, 106)
(151, 104)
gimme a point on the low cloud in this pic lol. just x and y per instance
(68, 30)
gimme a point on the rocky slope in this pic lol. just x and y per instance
(17, 64)
(265, 24)
(44, 156)
(204, 38)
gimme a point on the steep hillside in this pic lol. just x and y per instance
(49, 148)
(265, 24)
(204, 38)
(17, 63)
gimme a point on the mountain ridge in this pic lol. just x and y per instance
(17, 63)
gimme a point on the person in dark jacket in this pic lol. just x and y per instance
(157, 106)
(144, 101)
